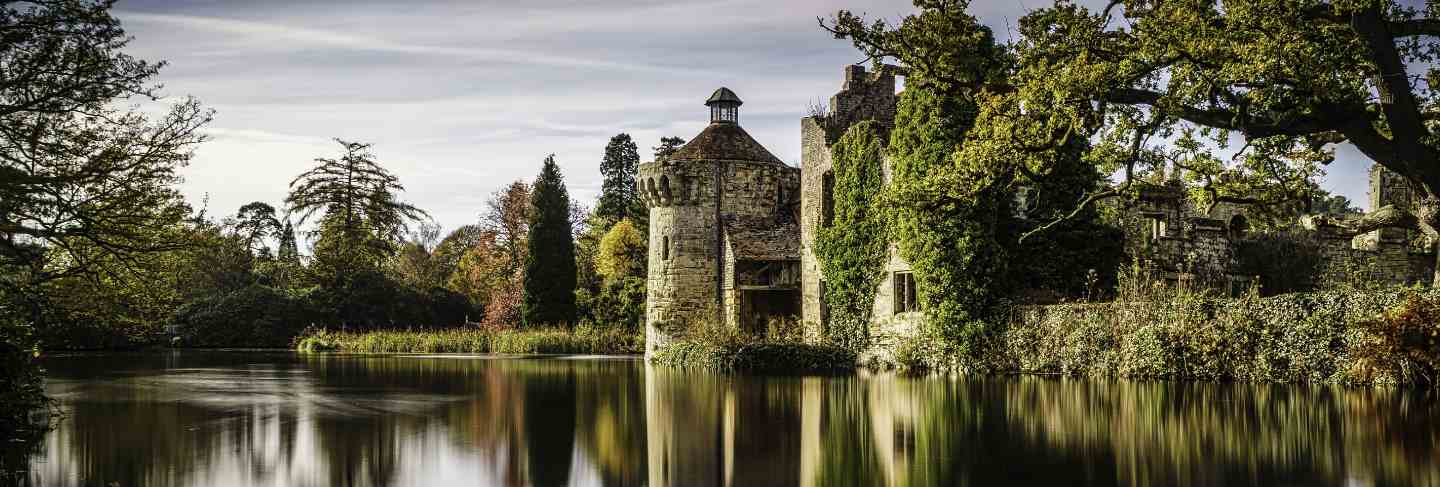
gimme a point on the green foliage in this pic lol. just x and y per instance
(583, 339)
(619, 198)
(22, 389)
(760, 357)
(1320, 337)
(255, 316)
(668, 146)
(852, 248)
(950, 216)
(620, 303)
(622, 252)
(549, 297)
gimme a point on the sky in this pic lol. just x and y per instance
(462, 97)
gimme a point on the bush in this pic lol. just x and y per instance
(726, 349)
(1335, 336)
(255, 316)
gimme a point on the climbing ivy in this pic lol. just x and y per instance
(851, 248)
(950, 215)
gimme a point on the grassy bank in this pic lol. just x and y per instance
(580, 340)
(1351, 336)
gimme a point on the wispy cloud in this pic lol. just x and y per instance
(285, 37)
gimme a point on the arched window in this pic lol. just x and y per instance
(665, 187)
(1239, 226)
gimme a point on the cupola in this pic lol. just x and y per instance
(724, 106)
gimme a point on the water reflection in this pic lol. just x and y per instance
(280, 419)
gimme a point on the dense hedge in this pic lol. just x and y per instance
(1340, 336)
(254, 316)
(758, 357)
(583, 339)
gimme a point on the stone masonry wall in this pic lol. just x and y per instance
(681, 278)
(815, 163)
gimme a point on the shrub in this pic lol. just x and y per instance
(1333, 336)
(254, 316)
(1403, 343)
(723, 348)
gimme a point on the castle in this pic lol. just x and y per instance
(732, 227)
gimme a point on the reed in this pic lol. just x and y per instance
(582, 339)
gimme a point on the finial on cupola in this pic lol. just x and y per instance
(724, 106)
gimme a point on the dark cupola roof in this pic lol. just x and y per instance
(723, 94)
(723, 139)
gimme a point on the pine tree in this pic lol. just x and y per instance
(289, 249)
(667, 147)
(550, 264)
(619, 199)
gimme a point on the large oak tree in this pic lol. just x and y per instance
(1278, 85)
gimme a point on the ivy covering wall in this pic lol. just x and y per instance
(851, 248)
(949, 216)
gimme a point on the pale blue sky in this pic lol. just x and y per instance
(461, 97)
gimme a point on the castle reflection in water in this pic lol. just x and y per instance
(210, 418)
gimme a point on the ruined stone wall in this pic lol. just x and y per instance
(815, 163)
(680, 286)
(887, 327)
(863, 96)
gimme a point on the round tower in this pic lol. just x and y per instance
(719, 176)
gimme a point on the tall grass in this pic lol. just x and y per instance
(583, 339)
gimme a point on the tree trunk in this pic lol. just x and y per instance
(1427, 214)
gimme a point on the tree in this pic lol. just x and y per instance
(289, 249)
(256, 222)
(550, 261)
(360, 228)
(85, 181)
(1291, 80)
(619, 198)
(621, 253)
(508, 217)
(357, 198)
(619, 263)
(667, 147)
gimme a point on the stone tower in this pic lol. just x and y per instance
(724, 245)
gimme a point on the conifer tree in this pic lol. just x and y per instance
(668, 146)
(550, 264)
(619, 198)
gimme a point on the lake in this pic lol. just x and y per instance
(211, 418)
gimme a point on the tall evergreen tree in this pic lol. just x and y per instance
(619, 199)
(289, 249)
(550, 262)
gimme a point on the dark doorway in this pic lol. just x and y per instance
(758, 307)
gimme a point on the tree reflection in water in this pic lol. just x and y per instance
(217, 418)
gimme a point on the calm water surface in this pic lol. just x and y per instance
(261, 418)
